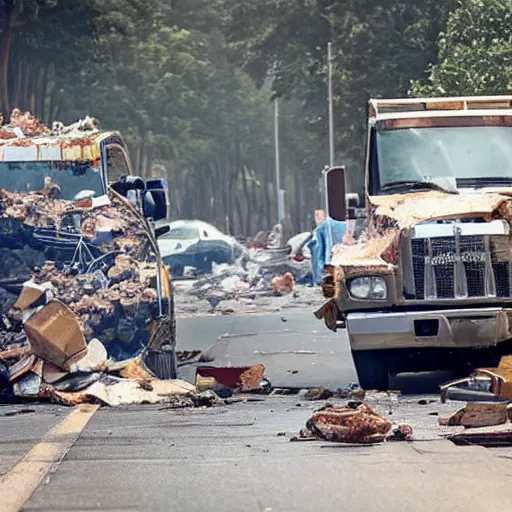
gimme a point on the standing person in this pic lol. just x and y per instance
(328, 233)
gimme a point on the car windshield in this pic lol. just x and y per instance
(182, 233)
(73, 179)
(462, 155)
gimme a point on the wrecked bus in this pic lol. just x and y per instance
(428, 285)
(78, 250)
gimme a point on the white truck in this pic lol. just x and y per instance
(428, 286)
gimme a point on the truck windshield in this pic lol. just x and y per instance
(462, 155)
(74, 179)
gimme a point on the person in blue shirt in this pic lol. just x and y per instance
(328, 233)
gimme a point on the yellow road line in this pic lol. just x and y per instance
(17, 486)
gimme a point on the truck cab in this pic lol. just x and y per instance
(428, 285)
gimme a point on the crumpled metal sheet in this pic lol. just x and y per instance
(377, 248)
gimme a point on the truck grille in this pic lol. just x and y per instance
(478, 273)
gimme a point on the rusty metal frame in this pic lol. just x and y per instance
(378, 106)
(444, 122)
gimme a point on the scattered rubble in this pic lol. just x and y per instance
(258, 273)
(283, 285)
(487, 437)
(356, 422)
(479, 414)
(351, 391)
(483, 384)
(114, 384)
(79, 277)
(233, 380)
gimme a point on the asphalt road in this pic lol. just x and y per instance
(296, 349)
(239, 457)
(233, 459)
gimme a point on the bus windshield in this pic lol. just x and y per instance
(74, 179)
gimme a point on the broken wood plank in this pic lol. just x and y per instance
(479, 414)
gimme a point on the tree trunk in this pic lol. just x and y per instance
(248, 203)
(229, 177)
(214, 193)
(5, 51)
(297, 210)
(268, 202)
(25, 94)
(256, 206)
(34, 86)
(16, 94)
(240, 216)
(41, 92)
(52, 104)
(148, 174)
(142, 151)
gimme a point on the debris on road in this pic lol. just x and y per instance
(318, 394)
(480, 414)
(487, 437)
(484, 384)
(114, 392)
(358, 423)
(350, 391)
(260, 272)
(400, 432)
(114, 384)
(233, 380)
(283, 285)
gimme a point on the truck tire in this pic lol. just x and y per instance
(372, 369)
(163, 362)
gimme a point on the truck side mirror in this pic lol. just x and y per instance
(126, 183)
(158, 191)
(335, 187)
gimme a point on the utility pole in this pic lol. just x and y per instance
(331, 110)
(279, 194)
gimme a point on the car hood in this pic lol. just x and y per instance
(173, 246)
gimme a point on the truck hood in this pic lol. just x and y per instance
(389, 216)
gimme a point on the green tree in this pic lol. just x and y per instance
(379, 47)
(475, 52)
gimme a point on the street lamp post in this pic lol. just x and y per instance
(279, 192)
(331, 109)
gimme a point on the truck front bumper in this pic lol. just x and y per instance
(453, 328)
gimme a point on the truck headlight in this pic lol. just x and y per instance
(368, 288)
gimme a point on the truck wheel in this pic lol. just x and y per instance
(162, 362)
(173, 364)
(372, 369)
